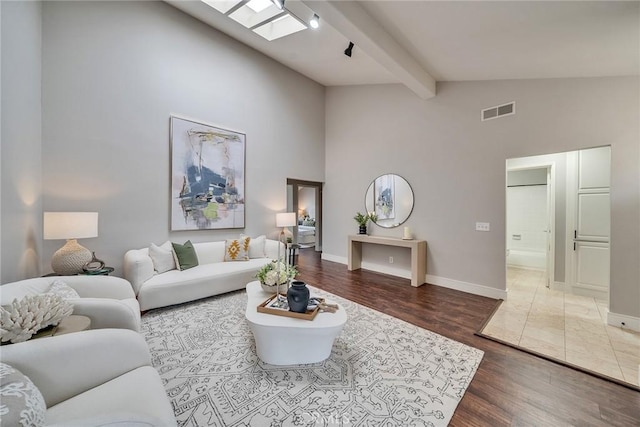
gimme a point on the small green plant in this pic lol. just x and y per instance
(363, 219)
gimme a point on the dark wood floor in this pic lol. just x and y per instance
(510, 387)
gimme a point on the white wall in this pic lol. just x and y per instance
(113, 72)
(20, 167)
(527, 218)
(456, 166)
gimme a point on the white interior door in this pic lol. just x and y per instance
(592, 223)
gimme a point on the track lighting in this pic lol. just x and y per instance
(315, 21)
(279, 4)
(348, 50)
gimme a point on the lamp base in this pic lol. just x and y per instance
(70, 258)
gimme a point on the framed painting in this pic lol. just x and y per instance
(384, 196)
(207, 176)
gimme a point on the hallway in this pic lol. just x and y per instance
(563, 326)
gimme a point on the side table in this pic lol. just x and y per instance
(73, 323)
(291, 253)
(105, 271)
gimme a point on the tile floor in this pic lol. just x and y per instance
(568, 327)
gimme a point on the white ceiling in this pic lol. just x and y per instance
(416, 42)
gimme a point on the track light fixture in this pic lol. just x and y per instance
(279, 4)
(314, 22)
(348, 50)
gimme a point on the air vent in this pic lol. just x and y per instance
(499, 111)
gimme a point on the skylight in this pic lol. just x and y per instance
(259, 5)
(262, 17)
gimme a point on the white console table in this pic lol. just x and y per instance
(418, 253)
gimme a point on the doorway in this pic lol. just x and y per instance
(305, 198)
(566, 319)
(564, 226)
(530, 216)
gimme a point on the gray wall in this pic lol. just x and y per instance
(21, 163)
(456, 166)
(113, 72)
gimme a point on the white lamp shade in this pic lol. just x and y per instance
(286, 219)
(70, 225)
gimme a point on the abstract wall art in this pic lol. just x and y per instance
(207, 176)
(384, 193)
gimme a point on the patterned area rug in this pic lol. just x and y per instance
(382, 371)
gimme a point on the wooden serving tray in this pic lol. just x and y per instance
(309, 315)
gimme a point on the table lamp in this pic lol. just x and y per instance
(70, 258)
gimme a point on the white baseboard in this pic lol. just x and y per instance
(334, 258)
(615, 319)
(559, 286)
(471, 288)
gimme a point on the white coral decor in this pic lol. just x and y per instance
(22, 319)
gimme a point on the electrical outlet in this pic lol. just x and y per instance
(483, 226)
(390, 260)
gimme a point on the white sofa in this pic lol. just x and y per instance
(108, 301)
(212, 276)
(94, 378)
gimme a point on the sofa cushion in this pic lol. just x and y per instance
(139, 391)
(186, 256)
(162, 257)
(21, 403)
(20, 289)
(237, 249)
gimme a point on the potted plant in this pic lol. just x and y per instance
(275, 273)
(363, 219)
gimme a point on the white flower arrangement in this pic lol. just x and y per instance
(276, 272)
(23, 318)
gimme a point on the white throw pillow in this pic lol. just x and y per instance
(59, 287)
(162, 257)
(21, 403)
(256, 246)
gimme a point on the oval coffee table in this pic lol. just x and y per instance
(289, 341)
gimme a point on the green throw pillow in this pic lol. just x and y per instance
(185, 255)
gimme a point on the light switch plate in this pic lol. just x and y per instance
(483, 226)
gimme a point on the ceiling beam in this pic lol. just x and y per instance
(350, 19)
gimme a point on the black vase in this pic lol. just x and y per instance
(362, 229)
(298, 297)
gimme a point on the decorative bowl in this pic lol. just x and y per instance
(271, 289)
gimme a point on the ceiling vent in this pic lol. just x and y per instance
(499, 111)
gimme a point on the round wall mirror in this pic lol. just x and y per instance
(390, 197)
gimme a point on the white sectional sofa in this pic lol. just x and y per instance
(212, 276)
